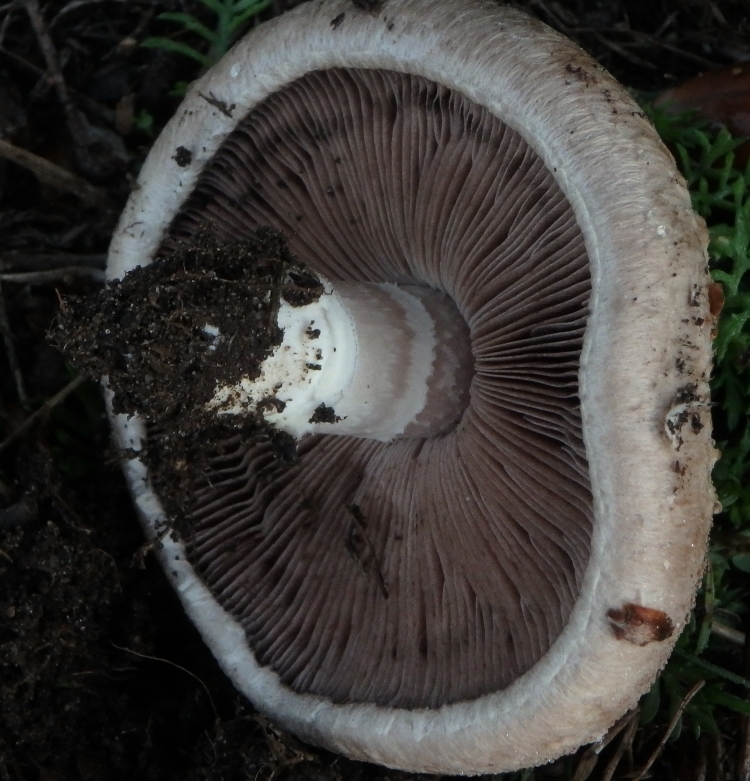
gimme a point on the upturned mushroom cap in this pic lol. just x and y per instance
(525, 575)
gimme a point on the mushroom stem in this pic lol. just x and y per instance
(370, 360)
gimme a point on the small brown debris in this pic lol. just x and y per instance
(182, 156)
(715, 298)
(324, 414)
(219, 104)
(53, 175)
(640, 625)
(687, 394)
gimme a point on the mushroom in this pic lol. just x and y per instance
(495, 590)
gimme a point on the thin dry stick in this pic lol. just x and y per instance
(48, 405)
(565, 28)
(92, 145)
(105, 113)
(10, 349)
(700, 764)
(670, 729)
(665, 25)
(174, 664)
(52, 275)
(728, 633)
(46, 261)
(636, 35)
(590, 757)
(8, 8)
(742, 761)
(624, 53)
(625, 745)
(54, 72)
(75, 5)
(52, 174)
(716, 754)
(706, 63)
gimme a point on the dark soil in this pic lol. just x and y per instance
(101, 676)
(147, 334)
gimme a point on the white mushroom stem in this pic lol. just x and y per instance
(389, 361)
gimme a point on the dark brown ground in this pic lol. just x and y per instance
(101, 675)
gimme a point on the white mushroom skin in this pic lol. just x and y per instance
(370, 353)
(651, 484)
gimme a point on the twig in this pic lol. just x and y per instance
(638, 35)
(625, 745)
(38, 261)
(53, 175)
(699, 765)
(52, 275)
(99, 153)
(742, 762)
(665, 25)
(551, 14)
(715, 755)
(623, 52)
(728, 633)
(10, 348)
(174, 664)
(670, 729)
(48, 405)
(706, 63)
(54, 72)
(718, 15)
(105, 113)
(708, 763)
(8, 8)
(590, 757)
(73, 6)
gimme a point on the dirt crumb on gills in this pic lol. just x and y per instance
(202, 315)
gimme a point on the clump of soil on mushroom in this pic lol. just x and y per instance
(201, 316)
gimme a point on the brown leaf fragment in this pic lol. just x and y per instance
(715, 298)
(640, 625)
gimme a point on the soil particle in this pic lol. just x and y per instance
(687, 394)
(183, 156)
(324, 414)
